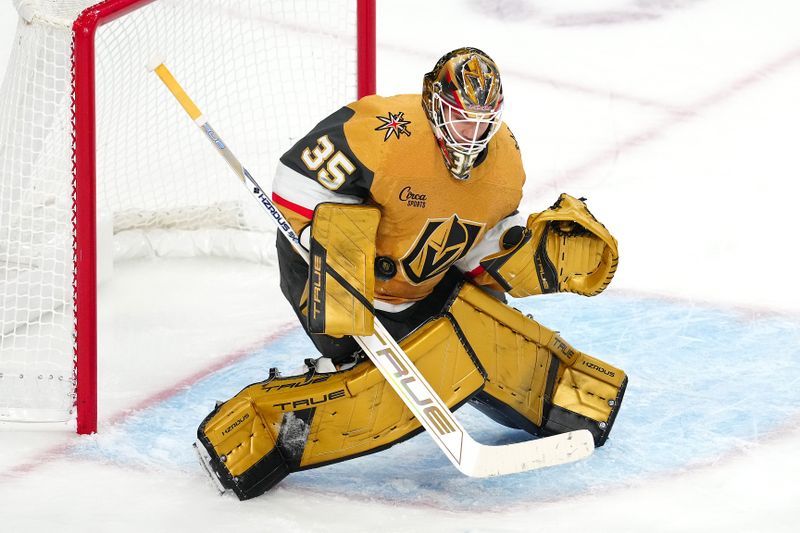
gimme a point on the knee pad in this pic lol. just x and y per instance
(286, 424)
(535, 380)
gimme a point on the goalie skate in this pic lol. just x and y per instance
(205, 461)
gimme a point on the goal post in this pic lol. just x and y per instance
(87, 135)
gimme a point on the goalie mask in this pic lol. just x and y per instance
(463, 99)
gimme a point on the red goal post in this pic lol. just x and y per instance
(103, 130)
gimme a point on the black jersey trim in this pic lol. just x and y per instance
(359, 182)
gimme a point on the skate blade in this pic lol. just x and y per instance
(205, 460)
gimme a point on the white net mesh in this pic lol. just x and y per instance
(262, 71)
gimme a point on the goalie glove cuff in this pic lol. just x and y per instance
(521, 268)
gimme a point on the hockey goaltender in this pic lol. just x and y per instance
(410, 215)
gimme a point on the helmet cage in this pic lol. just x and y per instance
(463, 101)
(463, 131)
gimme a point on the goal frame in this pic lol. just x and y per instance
(84, 184)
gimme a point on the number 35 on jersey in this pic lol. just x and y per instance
(331, 165)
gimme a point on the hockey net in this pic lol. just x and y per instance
(98, 163)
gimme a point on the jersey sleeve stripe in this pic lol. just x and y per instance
(299, 209)
(475, 272)
(295, 189)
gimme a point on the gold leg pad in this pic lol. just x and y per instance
(292, 423)
(535, 379)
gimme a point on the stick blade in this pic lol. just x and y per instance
(487, 461)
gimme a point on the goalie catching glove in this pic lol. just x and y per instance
(341, 270)
(562, 249)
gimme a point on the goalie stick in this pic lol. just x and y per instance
(469, 456)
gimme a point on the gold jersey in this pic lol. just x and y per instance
(382, 151)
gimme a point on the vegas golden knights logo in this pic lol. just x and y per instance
(443, 241)
(480, 83)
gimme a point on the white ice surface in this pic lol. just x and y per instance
(680, 121)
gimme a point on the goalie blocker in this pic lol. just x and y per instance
(478, 349)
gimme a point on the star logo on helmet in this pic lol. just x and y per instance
(393, 124)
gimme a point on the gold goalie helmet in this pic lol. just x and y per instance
(463, 98)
